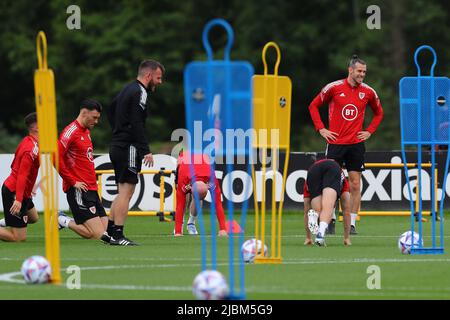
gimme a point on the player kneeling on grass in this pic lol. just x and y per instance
(17, 190)
(198, 184)
(324, 185)
(76, 167)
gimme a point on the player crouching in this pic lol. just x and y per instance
(197, 184)
(325, 183)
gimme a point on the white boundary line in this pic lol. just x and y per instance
(408, 258)
(386, 291)
(298, 235)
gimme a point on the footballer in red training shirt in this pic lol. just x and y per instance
(347, 100)
(76, 167)
(199, 182)
(17, 190)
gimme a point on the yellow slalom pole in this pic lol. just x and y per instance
(263, 204)
(272, 106)
(161, 193)
(394, 165)
(255, 200)
(277, 63)
(274, 144)
(44, 86)
(418, 193)
(162, 198)
(274, 204)
(283, 190)
(99, 186)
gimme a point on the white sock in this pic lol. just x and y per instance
(353, 218)
(334, 214)
(64, 221)
(192, 219)
(322, 227)
(2, 223)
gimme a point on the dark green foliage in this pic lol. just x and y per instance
(316, 39)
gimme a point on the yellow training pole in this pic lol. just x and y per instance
(99, 186)
(271, 114)
(263, 205)
(44, 86)
(274, 203)
(255, 199)
(418, 192)
(151, 213)
(394, 165)
(161, 193)
(283, 188)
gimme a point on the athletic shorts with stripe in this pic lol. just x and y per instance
(84, 205)
(15, 221)
(324, 174)
(127, 163)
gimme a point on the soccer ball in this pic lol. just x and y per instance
(406, 240)
(36, 269)
(210, 285)
(248, 250)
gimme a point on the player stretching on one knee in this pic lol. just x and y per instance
(325, 184)
(76, 167)
(200, 184)
(17, 190)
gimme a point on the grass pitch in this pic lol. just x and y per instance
(163, 267)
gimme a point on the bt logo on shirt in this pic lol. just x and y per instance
(349, 112)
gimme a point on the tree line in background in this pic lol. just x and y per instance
(316, 39)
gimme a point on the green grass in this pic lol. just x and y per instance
(163, 267)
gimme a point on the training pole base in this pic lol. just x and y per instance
(55, 281)
(427, 251)
(259, 260)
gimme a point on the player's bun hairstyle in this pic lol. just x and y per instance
(91, 104)
(354, 60)
(30, 119)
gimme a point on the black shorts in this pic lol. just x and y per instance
(324, 174)
(350, 156)
(15, 221)
(84, 205)
(127, 163)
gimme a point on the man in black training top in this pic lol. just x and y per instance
(129, 143)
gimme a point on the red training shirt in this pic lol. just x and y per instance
(76, 157)
(346, 108)
(24, 168)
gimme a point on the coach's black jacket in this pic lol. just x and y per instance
(127, 115)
